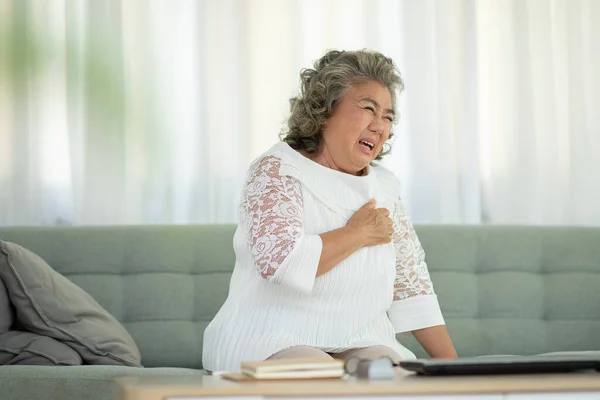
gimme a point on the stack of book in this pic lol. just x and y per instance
(297, 368)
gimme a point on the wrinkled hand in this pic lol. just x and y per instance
(374, 225)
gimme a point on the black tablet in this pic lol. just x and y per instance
(503, 365)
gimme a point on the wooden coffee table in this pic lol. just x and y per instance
(574, 386)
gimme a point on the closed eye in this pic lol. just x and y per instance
(372, 109)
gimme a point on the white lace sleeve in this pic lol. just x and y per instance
(272, 214)
(412, 276)
(415, 304)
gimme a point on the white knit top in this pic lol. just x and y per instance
(276, 302)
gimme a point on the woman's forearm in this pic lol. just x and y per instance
(436, 341)
(337, 246)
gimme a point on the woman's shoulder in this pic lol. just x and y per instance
(275, 163)
(281, 158)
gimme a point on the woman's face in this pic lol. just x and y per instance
(358, 127)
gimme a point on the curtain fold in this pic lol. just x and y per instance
(135, 112)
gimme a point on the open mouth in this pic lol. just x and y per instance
(366, 144)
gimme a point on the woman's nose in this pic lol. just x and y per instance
(376, 126)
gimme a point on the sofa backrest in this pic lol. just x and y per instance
(503, 290)
(516, 290)
(164, 283)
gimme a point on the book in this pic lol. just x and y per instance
(293, 368)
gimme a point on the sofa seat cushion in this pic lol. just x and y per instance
(89, 382)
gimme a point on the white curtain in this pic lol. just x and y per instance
(149, 112)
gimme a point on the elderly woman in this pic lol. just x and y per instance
(327, 262)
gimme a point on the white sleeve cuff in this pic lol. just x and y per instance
(415, 313)
(300, 267)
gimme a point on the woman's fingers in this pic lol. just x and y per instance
(383, 211)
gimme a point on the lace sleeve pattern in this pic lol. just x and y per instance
(272, 214)
(412, 275)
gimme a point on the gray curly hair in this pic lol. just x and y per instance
(324, 85)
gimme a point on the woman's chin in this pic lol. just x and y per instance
(364, 158)
(360, 165)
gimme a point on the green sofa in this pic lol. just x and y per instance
(503, 290)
